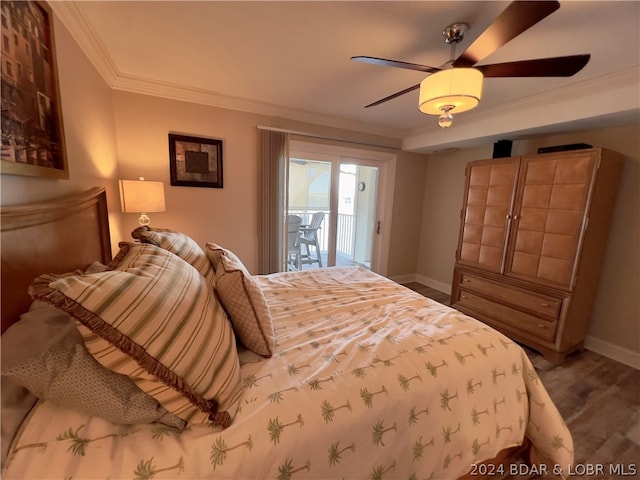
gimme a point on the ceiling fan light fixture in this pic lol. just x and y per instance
(458, 89)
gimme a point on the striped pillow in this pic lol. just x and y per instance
(154, 318)
(246, 305)
(178, 243)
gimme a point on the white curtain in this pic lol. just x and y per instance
(274, 153)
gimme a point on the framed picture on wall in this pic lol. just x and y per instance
(195, 161)
(32, 131)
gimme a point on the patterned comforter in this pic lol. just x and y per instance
(370, 380)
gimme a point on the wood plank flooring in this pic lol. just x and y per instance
(599, 400)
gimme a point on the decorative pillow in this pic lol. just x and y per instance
(214, 253)
(45, 353)
(154, 318)
(246, 305)
(178, 243)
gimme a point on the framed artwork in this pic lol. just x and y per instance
(32, 130)
(195, 161)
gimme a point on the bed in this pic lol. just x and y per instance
(345, 374)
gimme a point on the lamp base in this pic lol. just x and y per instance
(144, 219)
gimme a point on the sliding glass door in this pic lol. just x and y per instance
(342, 190)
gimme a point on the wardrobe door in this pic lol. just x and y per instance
(488, 201)
(549, 217)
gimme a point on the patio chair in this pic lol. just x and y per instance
(294, 255)
(309, 238)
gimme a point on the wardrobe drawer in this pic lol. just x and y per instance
(533, 302)
(508, 316)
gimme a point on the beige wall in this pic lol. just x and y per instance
(89, 131)
(616, 312)
(229, 216)
(407, 214)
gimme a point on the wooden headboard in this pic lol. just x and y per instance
(52, 236)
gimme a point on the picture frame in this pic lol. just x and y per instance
(33, 141)
(195, 161)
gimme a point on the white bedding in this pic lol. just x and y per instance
(369, 380)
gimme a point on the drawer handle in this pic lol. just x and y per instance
(463, 296)
(467, 280)
(542, 326)
(544, 304)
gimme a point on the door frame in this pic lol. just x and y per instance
(385, 162)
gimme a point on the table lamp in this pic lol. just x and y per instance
(141, 196)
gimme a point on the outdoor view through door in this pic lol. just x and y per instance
(335, 201)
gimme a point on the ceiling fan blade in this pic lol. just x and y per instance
(515, 19)
(541, 67)
(395, 95)
(395, 63)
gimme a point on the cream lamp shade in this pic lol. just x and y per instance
(450, 91)
(141, 196)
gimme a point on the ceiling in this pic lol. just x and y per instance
(292, 60)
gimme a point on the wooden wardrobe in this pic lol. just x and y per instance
(532, 237)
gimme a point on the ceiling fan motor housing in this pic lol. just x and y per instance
(454, 33)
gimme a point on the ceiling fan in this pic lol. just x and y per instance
(457, 86)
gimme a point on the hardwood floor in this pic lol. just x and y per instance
(599, 400)
(432, 293)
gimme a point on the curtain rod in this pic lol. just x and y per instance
(324, 137)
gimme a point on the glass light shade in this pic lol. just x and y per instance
(460, 88)
(445, 120)
(141, 196)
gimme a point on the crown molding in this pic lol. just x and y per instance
(86, 37)
(133, 84)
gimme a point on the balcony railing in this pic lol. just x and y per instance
(344, 237)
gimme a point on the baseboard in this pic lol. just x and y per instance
(614, 352)
(429, 282)
(404, 278)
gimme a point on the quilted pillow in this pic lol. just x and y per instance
(214, 254)
(45, 353)
(154, 318)
(178, 243)
(246, 305)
